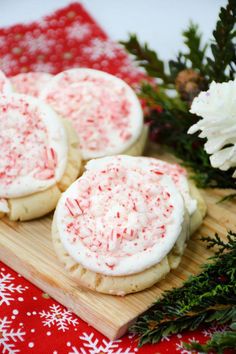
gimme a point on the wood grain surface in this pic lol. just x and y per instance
(27, 248)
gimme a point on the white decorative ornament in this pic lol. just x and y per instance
(217, 107)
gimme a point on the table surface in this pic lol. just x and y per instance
(158, 22)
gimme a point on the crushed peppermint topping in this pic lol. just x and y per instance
(30, 83)
(177, 173)
(104, 110)
(29, 160)
(117, 214)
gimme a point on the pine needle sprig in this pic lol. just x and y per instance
(219, 66)
(169, 127)
(228, 198)
(147, 58)
(177, 65)
(222, 66)
(206, 297)
(221, 244)
(191, 323)
(157, 96)
(196, 50)
(219, 342)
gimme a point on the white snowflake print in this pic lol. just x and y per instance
(7, 63)
(8, 337)
(100, 48)
(43, 67)
(130, 68)
(180, 346)
(40, 43)
(59, 317)
(214, 329)
(7, 288)
(78, 31)
(165, 339)
(92, 345)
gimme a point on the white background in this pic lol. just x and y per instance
(159, 22)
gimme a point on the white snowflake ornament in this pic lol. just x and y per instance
(217, 107)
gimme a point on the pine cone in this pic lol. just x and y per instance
(189, 83)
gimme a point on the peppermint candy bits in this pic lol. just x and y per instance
(104, 110)
(30, 83)
(35, 157)
(33, 146)
(120, 218)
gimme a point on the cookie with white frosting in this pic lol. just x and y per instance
(31, 83)
(39, 157)
(193, 200)
(123, 225)
(103, 109)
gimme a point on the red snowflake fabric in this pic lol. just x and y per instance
(67, 39)
(30, 321)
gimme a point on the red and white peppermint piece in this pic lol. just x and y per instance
(104, 110)
(120, 220)
(33, 146)
(30, 83)
(73, 207)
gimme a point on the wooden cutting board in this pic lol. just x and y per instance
(27, 248)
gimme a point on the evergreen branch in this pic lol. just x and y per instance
(206, 297)
(222, 66)
(196, 54)
(217, 241)
(177, 65)
(227, 198)
(169, 127)
(146, 58)
(157, 96)
(219, 342)
(187, 322)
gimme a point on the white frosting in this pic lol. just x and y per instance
(119, 220)
(175, 171)
(104, 110)
(5, 85)
(30, 83)
(33, 146)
